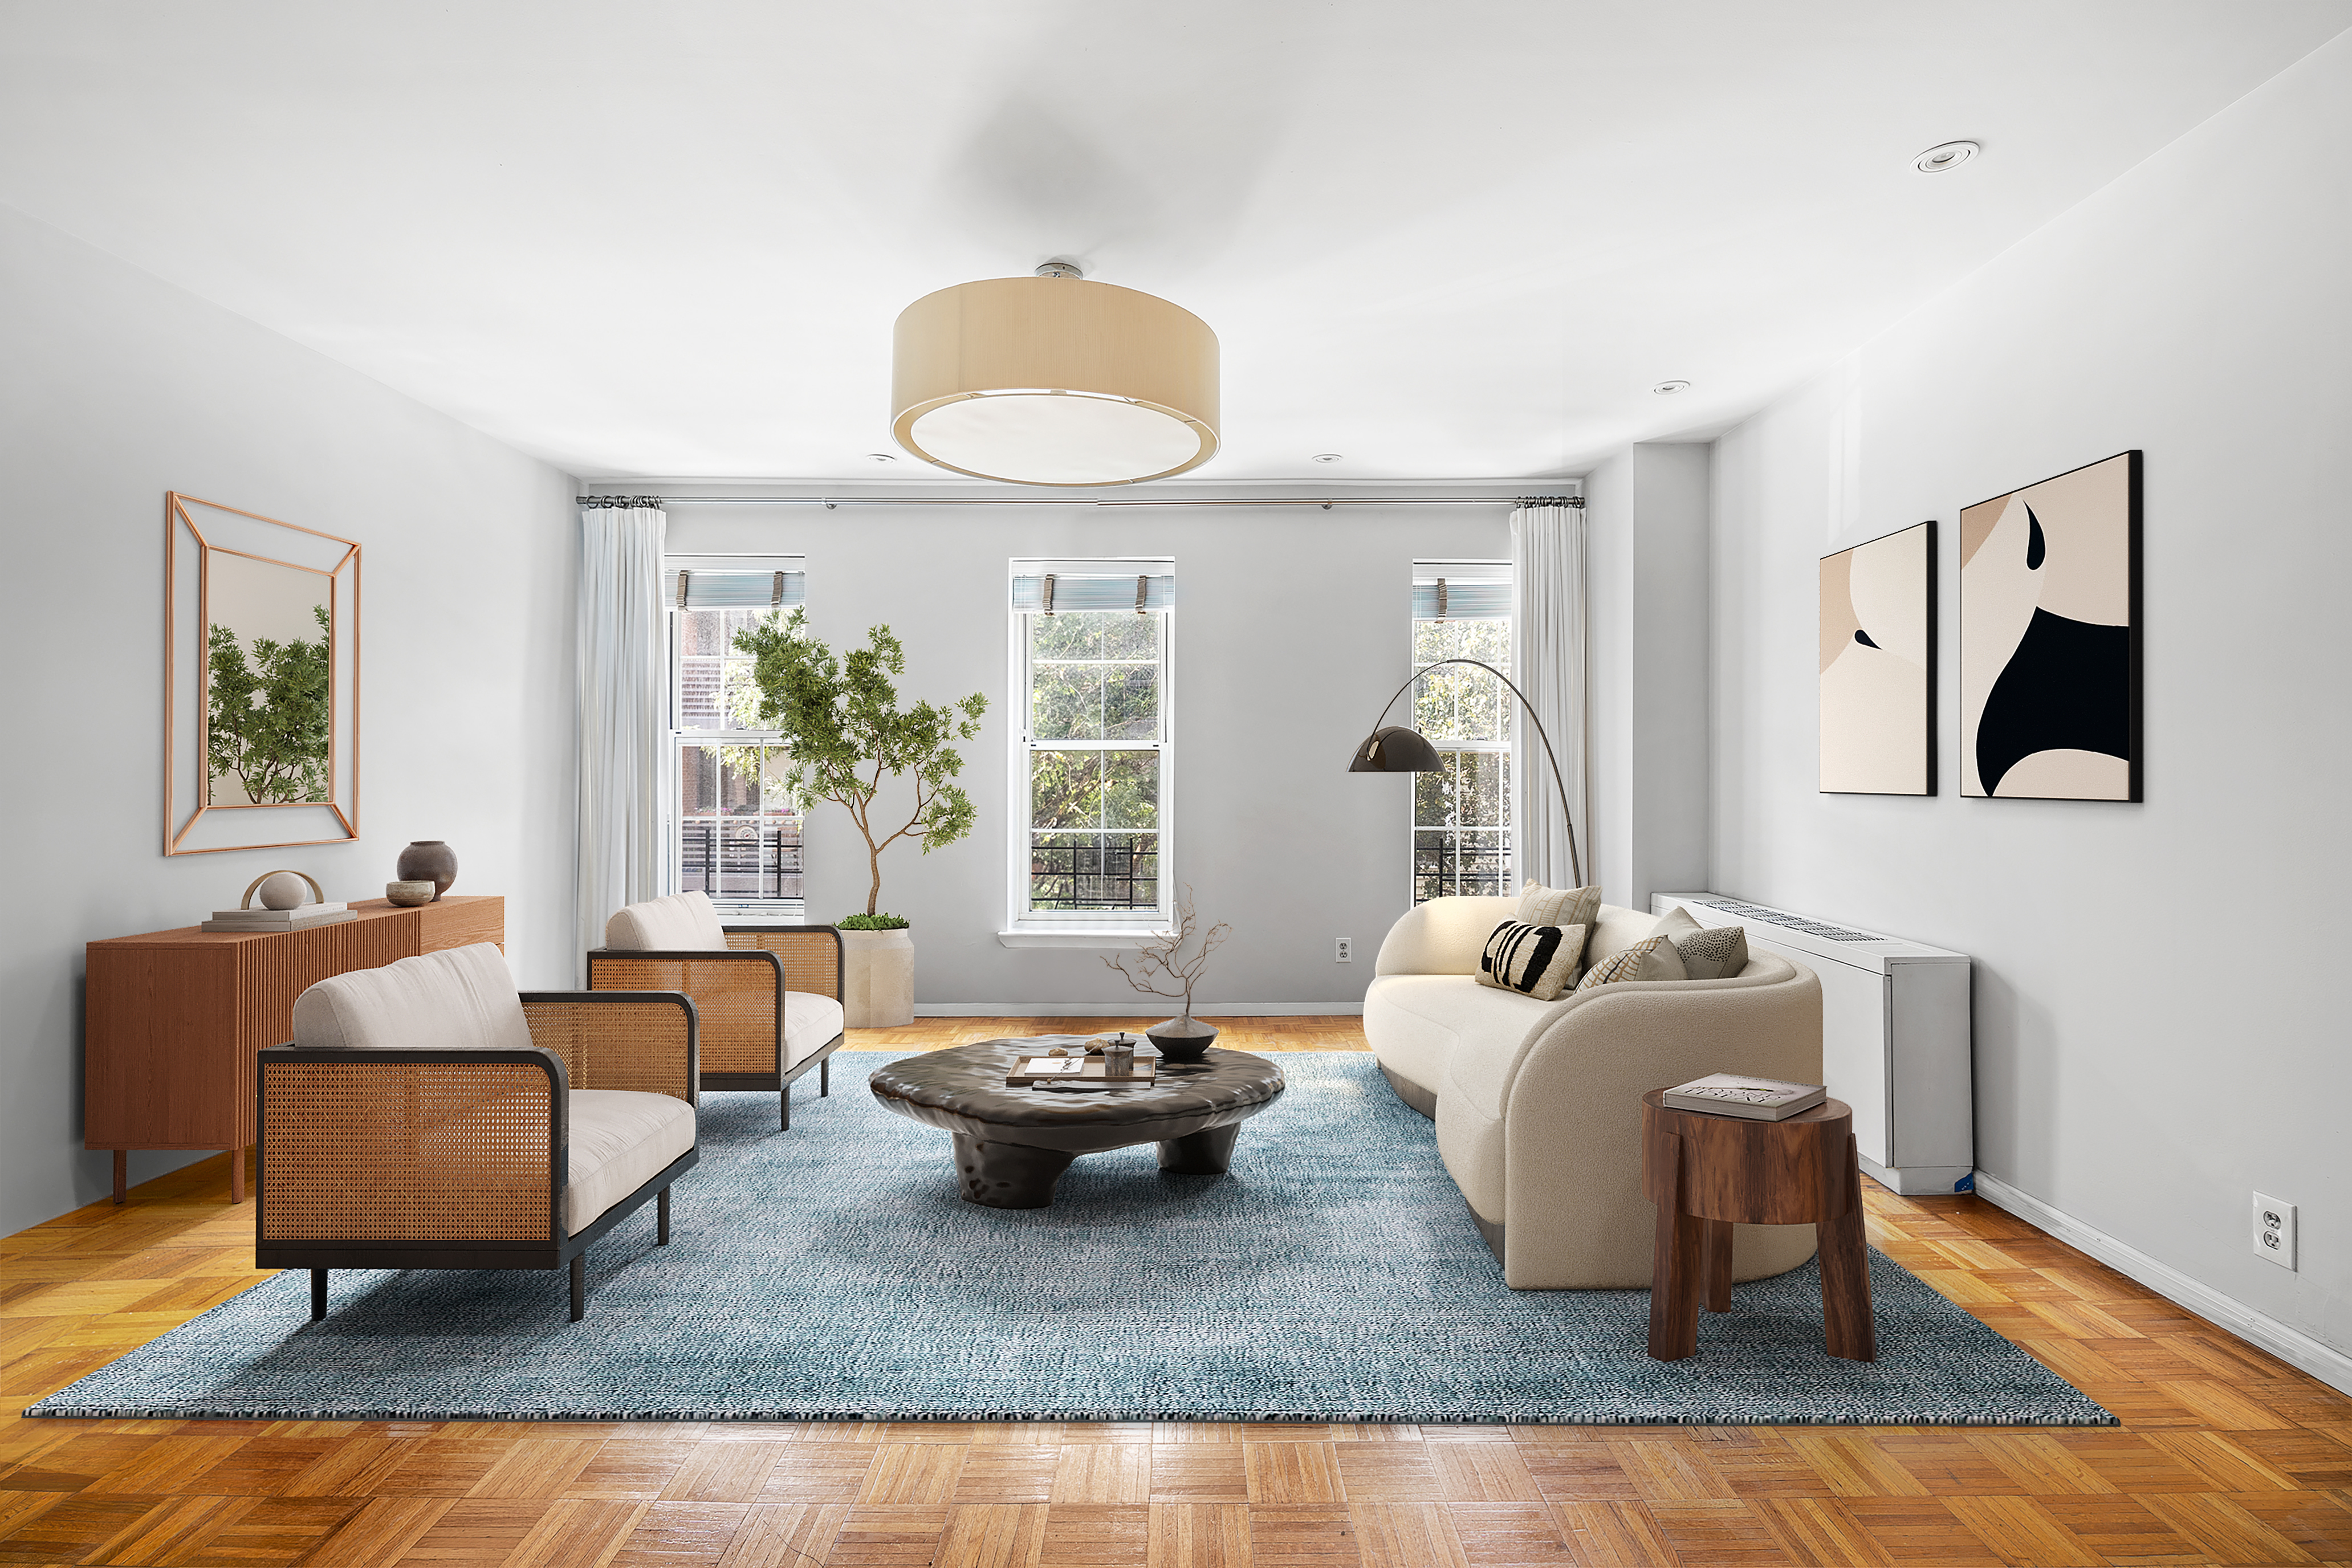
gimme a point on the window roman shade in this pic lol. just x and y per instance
(1461, 589)
(1150, 586)
(733, 581)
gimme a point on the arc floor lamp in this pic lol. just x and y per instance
(1398, 749)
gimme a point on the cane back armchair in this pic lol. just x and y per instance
(768, 998)
(516, 1130)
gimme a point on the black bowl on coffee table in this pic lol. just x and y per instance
(1182, 1040)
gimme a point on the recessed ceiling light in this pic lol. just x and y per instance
(1668, 389)
(1327, 457)
(883, 456)
(1948, 156)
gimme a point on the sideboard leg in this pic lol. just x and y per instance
(1846, 1322)
(318, 1294)
(1674, 1268)
(122, 1176)
(237, 1175)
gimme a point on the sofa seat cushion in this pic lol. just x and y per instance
(682, 922)
(1417, 1022)
(811, 1023)
(619, 1140)
(462, 998)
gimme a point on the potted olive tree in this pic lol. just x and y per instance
(843, 734)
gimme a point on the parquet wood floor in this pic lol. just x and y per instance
(2226, 1455)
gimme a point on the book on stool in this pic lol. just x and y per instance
(1757, 1099)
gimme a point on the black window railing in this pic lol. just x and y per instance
(739, 863)
(1094, 871)
(1454, 867)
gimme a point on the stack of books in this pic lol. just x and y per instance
(301, 918)
(1757, 1098)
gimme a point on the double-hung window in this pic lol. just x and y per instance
(729, 828)
(1091, 834)
(1462, 812)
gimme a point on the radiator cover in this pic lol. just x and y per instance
(1895, 1036)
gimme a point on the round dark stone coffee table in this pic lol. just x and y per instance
(1013, 1144)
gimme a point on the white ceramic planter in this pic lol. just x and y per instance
(877, 980)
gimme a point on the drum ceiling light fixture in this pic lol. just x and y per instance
(1053, 380)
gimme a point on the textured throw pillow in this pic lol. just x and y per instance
(1562, 906)
(1651, 958)
(1538, 961)
(1718, 952)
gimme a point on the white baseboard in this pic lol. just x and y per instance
(2292, 1346)
(1133, 1010)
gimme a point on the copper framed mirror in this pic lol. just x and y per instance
(261, 679)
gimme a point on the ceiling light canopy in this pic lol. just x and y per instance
(1053, 380)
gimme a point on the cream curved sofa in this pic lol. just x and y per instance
(1537, 1104)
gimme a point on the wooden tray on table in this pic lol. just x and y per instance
(1093, 1072)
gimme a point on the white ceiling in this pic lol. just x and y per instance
(1447, 241)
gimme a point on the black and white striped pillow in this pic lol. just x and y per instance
(1538, 961)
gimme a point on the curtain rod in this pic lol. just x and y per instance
(830, 502)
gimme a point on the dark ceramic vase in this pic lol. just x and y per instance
(1182, 1040)
(429, 859)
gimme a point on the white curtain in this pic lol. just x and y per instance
(621, 706)
(1548, 661)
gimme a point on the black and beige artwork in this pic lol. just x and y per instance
(2049, 679)
(1878, 666)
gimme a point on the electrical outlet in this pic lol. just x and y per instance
(2274, 1230)
(1343, 949)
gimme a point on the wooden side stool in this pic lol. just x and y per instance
(1707, 1172)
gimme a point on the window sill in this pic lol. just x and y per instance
(1096, 936)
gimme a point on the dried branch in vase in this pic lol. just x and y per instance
(1164, 961)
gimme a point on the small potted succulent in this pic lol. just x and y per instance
(844, 733)
(1183, 1037)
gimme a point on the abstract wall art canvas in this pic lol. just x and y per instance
(2050, 634)
(1878, 666)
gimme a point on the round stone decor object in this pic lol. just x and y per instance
(282, 890)
(1012, 1146)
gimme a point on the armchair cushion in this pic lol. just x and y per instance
(682, 922)
(812, 1022)
(463, 998)
(620, 1140)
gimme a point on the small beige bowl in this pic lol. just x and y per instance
(408, 893)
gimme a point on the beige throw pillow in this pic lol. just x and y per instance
(1538, 961)
(1562, 906)
(1651, 958)
(1676, 923)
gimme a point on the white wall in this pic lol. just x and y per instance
(1647, 511)
(115, 388)
(2160, 1005)
(1292, 627)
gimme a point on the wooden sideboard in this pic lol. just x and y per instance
(175, 1017)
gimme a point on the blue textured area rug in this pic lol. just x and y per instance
(831, 1272)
